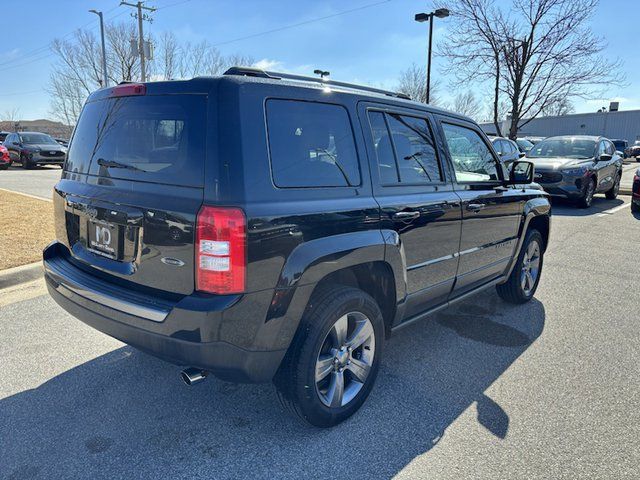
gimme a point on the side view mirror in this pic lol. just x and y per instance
(605, 157)
(521, 173)
(521, 154)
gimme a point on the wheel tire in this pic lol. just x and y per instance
(635, 208)
(26, 164)
(295, 381)
(612, 193)
(587, 195)
(4, 167)
(512, 290)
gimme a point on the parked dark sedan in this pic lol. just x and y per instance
(507, 150)
(523, 144)
(635, 195)
(577, 167)
(34, 148)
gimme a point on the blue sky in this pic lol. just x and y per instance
(371, 45)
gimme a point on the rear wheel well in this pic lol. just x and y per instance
(541, 224)
(374, 278)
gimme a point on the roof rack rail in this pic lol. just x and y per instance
(256, 72)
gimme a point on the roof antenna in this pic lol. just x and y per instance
(324, 74)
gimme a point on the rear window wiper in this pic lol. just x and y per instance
(113, 164)
(336, 163)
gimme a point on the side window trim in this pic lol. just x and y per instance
(385, 113)
(393, 150)
(442, 120)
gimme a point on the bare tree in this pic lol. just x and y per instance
(538, 52)
(474, 47)
(413, 82)
(122, 61)
(467, 104)
(77, 69)
(167, 57)
(11, 115)
(560, 106)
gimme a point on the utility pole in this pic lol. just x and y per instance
(105, 81)
(140, 16)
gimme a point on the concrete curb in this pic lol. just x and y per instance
(17, 275)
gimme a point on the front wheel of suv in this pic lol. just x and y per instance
(26, 164)
(587, 194)
(612, 193)
(333, 361)
(524, 279)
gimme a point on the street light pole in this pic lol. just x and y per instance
(423, 17)
(429, 58)
(104, 50)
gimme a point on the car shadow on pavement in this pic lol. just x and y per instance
(126, 414)
(567, 208)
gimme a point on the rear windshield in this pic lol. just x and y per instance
(158, 138)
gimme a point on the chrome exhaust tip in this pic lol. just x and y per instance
(191, 375)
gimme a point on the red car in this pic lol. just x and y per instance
(5, 159)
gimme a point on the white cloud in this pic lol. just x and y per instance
(267, 64)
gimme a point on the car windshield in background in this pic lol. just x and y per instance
(37, 139)
(157, 138)
(563, 148)
(524, 144)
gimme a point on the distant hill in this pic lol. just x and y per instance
(53, 128)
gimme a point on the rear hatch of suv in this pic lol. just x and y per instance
(132, 185)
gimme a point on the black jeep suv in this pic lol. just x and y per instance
(269, 227)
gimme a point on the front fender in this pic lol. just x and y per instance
(534, 207)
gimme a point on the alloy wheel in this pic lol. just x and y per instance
(530, 268)
(345, 359)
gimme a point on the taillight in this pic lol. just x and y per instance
(221, 258)
(128, 89)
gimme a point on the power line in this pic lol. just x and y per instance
(45, 48)
(299, 24)
(43, 52)
(173, 4)
(20, 93)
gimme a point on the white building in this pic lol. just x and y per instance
(624, 125)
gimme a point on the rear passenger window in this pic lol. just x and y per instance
(405, 150)
(311, 145)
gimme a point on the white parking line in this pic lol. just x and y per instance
(27, 195)
(611, 211)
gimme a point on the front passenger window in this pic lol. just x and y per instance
(472, 160)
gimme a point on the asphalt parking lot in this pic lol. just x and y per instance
(482, 390)
(38, 182)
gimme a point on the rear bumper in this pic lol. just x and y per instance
(180, 331)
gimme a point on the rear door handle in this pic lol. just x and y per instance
(475, 207)
(406, 215)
